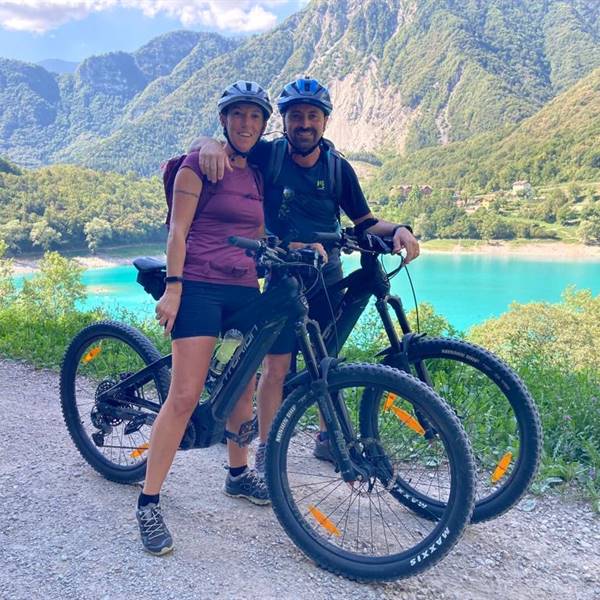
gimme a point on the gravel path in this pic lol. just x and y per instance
(68, 533)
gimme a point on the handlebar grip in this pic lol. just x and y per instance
(322, 236)
(242, 242)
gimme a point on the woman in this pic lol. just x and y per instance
(207, 280)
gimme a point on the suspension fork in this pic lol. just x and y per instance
(399, 348)
(332, 407)
(398, 308)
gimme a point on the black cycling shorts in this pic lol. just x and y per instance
(204, 307)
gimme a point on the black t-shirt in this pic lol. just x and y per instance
(299, 201)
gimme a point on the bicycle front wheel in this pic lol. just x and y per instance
(493, 406)
(112, 435)
(367, 530)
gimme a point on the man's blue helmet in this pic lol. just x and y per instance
(305, 91)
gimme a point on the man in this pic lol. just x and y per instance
(298, 202)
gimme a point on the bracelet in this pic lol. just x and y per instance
(173, 279)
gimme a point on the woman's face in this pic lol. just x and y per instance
(245, 123)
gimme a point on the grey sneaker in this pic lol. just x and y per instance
(249, 485)
(322, 451)
(156, 538)
(259, 458)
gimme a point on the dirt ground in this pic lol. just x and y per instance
(68, 533)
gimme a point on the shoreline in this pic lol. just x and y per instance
(536, 250)
(98, 261)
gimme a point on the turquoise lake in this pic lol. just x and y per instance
(466, 289)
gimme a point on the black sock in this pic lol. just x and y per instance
(235, 471)
(145, 499)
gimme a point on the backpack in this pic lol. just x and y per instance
(169, 170)
(334, 165)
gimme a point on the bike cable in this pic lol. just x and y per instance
(331, 312)
(393, 273)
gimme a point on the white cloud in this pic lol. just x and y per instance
(39, 16)
(240, 16)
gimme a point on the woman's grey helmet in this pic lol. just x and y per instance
(246, 91)
(305, 91)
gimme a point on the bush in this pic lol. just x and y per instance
(555, 348)
(55, 290)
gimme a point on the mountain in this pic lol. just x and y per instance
(7, 167)
(42, 113)
(559, 143)
(56, 65)
(404, 74)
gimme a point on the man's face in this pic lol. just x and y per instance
(305, 125)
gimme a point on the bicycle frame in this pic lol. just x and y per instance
(367, 281)
(282, 303)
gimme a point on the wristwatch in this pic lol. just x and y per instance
(173, 279)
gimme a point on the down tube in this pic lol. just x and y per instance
(243, 365)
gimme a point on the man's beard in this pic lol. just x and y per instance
(304, 142)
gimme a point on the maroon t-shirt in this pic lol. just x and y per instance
(233, 206)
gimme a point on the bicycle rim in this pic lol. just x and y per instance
(369, 530)
(116, 445)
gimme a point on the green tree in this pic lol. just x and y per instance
(97, 231)
(55, 290)
(44, 235)
(589, 232)
(7, 286)
(14, 233)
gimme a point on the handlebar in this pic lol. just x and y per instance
(270, 254)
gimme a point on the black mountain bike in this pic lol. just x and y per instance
(489, 398)
(358, 520)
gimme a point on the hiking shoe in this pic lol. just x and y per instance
(249, 485)
(156, 538)
(259, 459)
(322, 451)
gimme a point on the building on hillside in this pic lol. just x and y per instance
(522, 188)
(404, 190)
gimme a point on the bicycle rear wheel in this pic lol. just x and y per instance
(111, 435)
(493, 406)
(368, 530)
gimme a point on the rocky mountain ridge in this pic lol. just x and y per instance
(404, 74)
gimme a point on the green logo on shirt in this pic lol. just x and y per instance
(320, 184)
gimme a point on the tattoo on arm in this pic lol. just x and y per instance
(185, 193)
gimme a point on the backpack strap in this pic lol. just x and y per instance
(278, 151)
(170, 168)
(334, 171)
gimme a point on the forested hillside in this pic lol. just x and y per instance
(404, 74)
(558, 144)
(73, 207)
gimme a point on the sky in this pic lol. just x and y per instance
(34, 30)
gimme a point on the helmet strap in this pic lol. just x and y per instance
(235, 150)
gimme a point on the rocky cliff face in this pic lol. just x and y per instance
(404, 74)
